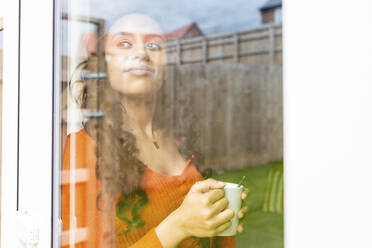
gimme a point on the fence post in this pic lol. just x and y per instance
(179, 53)
(205, 51)
(271, 31)
(236, 47)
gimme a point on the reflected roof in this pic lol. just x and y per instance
(271, 4)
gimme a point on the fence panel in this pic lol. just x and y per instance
(237, 111)
(262, 45)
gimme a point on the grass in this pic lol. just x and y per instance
(261, 229)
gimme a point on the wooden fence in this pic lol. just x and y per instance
(262, 45)
(238, 110)
(232, 82)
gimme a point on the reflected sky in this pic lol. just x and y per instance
(211, 15)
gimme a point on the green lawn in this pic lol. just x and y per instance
(262, 229)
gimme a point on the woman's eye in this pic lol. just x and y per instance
(125, 44)
(153, 46)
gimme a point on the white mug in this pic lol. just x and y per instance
(233, 194)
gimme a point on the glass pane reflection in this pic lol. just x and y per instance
(154, 117)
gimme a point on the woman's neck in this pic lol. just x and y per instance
(140, 112)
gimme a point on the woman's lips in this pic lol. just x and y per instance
(140, 70)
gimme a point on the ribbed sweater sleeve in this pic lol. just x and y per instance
(227, 242)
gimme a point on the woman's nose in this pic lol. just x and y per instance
(141, 54)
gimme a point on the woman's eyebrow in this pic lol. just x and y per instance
(123, 34)
(146, 36)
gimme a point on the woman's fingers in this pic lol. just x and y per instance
(245, 193)
(223, 227)
(219, 206)
(242, 211)
(223, 217)
(214, 195)
(206, 185)
(240, 227)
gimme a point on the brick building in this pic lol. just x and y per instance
(271, 12)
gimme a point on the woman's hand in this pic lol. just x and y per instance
(202, 213)
(242, 211)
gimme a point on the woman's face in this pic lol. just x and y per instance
(135, 56)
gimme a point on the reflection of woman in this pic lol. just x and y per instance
(148, 176)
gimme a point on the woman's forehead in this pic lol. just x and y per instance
(135, 23)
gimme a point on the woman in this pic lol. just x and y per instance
(144, 178)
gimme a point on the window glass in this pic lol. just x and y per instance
(160, 102)
(1, 93)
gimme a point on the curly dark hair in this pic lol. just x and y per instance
(118, 168)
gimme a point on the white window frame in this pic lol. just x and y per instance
(10, 123)
(28, 120)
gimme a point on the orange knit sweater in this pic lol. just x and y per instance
(86, 227)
